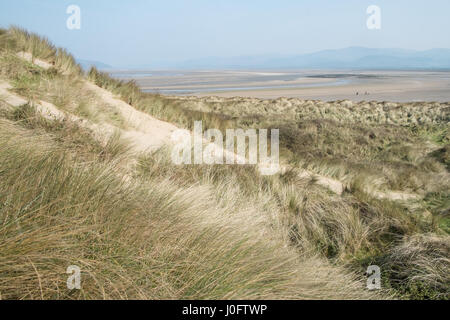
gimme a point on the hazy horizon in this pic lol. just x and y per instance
(158, 34)
(259, 62)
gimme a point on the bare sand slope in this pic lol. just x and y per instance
(102, 132)
(156, 134)
(147, 132)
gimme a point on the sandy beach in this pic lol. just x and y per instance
(401, 91)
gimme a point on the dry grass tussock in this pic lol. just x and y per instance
(137, 239)
(419, 266)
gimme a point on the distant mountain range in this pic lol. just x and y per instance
(348, 58)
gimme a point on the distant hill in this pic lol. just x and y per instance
(87, 64)
(348, 58)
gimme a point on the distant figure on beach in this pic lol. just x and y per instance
(357, 92)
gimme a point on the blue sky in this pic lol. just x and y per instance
(140, 32)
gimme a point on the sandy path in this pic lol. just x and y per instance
(395, 195)
(332, 184)
(9, 97)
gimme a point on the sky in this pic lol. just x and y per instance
(143, 32)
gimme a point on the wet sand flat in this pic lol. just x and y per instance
(395, 86)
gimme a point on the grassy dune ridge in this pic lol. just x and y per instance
(141, 227)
